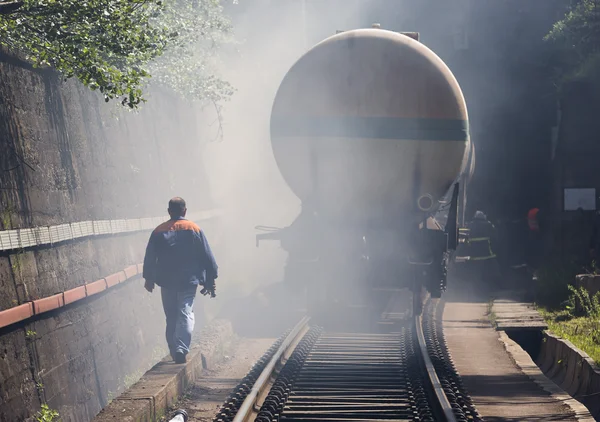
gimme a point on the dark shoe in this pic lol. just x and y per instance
(179, 357)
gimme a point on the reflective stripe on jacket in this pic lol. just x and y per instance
(479, 244)
(480, 249)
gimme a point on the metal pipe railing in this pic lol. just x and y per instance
(251, 400)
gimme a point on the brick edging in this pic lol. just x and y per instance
(32, 308)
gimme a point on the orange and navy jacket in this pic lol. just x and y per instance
(178, 255)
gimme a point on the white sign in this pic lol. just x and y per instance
(584, 199)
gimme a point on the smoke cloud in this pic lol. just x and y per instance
(244, 179)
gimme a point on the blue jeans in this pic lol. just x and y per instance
(178, 306)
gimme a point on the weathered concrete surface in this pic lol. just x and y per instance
(151, 396)
(499, 389)
(74, 158)
(524, 362)
(77, 357)
(18, 392)
(67, 156)
(511, 314)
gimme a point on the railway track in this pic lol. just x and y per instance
(314, 375)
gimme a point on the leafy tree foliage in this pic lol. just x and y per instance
(188, 65)
(576, 39)
(114, 46)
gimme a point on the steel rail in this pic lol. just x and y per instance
(440, 395)
(250, 403)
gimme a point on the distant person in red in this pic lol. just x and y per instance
(534, 250)
(532, 220)
(178, 259)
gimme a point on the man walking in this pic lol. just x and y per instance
(178, 259)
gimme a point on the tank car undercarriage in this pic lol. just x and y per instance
(349, 266)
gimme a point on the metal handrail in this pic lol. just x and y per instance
(435, 381)
(251, 400)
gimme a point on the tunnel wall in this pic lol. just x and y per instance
(67, 156)
(575, 166)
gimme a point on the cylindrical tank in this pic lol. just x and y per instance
(369, 124)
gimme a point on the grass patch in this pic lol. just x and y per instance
(583, 332)
(578, 322)
(570, 312)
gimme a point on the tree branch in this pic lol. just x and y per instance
(219, 120)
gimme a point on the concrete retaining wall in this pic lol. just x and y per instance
(72, 357)
(66, 156)
(150, 398)
(573, 370)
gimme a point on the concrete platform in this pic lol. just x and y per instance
(511, 314)
(150, 398)
(500, 390)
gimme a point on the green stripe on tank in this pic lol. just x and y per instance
(371, 127)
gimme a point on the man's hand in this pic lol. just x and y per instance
(209, 288)
(149, 285)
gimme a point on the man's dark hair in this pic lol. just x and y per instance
(177, 206)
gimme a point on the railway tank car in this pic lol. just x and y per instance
(369, 129)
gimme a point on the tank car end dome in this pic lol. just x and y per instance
(368, 121)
